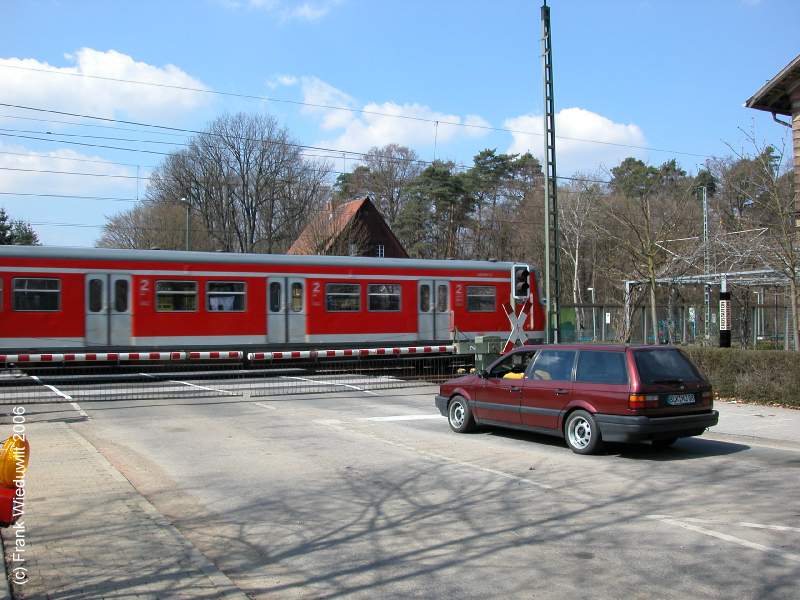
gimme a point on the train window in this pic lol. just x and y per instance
(37, 294)
(226, 296)
(297, 297)
(441, 298)
(424, 298)
(95, 295)
(176, 296)
(274, 297)
(121, 295)
(383, 297)
(343, 297)
(481, 298)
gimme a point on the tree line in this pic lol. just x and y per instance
(246, 186)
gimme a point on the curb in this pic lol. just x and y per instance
(752, 440)
(225, 587)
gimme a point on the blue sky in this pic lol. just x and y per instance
(668, 75)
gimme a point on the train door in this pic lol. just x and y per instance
(286, 310)
(433, 306)
(108, 309)
(425, 306)
(296, 310)
(442, 313)
(276, 310)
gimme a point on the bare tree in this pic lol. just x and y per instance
(771, 208)
(155, 225)
(647, 207)
(392, 168)
(248, 182)
(578, 206)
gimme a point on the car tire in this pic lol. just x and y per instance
(459, 415)
(582, 433)
(664, 442)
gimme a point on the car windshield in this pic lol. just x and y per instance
(665, 366)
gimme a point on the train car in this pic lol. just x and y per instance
(65, 298)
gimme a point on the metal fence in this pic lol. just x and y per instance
(759, 325)
(27, 383)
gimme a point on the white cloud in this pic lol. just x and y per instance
(288, 10)
(30, 179)
(282, 81)
(377, 124)
(100, 97)
(572, 154)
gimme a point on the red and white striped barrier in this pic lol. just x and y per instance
(214, 355)
(220, 355)
(91, 357)
(349, 352)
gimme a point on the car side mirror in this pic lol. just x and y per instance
(483, 374)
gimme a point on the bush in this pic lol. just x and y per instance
(763, 376)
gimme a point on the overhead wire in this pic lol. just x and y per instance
(433, 121)
(3, 132)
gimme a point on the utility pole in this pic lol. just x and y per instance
(706, 265)
(188, 221)
(552, 280)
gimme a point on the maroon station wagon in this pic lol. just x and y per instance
(585, 393)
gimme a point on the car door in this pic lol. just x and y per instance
(547, 388)
(601, 379)
(499, 395)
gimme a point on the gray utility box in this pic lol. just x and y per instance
(487, 348)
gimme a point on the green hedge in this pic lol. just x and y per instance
(763, 376)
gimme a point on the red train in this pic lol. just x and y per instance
(63, 298)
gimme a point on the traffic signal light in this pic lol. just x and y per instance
(521, 282)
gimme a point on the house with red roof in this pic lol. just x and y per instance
(354, 228)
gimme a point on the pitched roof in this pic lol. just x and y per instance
(774, 96)
(326, 226)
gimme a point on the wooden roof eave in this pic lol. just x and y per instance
(775, 95)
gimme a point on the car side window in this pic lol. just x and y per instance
(513, 366)
(553, 365)
(601, 367)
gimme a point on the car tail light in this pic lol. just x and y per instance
(708, 396)
(638, 401)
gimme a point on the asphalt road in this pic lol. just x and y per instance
(368, 494)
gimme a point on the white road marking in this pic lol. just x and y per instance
(770, 527)
(262, 405)
(743, 524)
(402, 418)
(725, 537)
(334, 383)
(57, 391)
(194, 385)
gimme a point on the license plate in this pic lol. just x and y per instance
(678, 399)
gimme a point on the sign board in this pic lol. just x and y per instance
(608, 318)
(724, 315)
(692, 314)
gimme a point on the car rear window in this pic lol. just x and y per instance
(601, 367)
(664, 366)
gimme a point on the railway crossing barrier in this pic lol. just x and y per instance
(229, 374)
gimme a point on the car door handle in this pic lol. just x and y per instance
(561, 392)
(514, 389)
